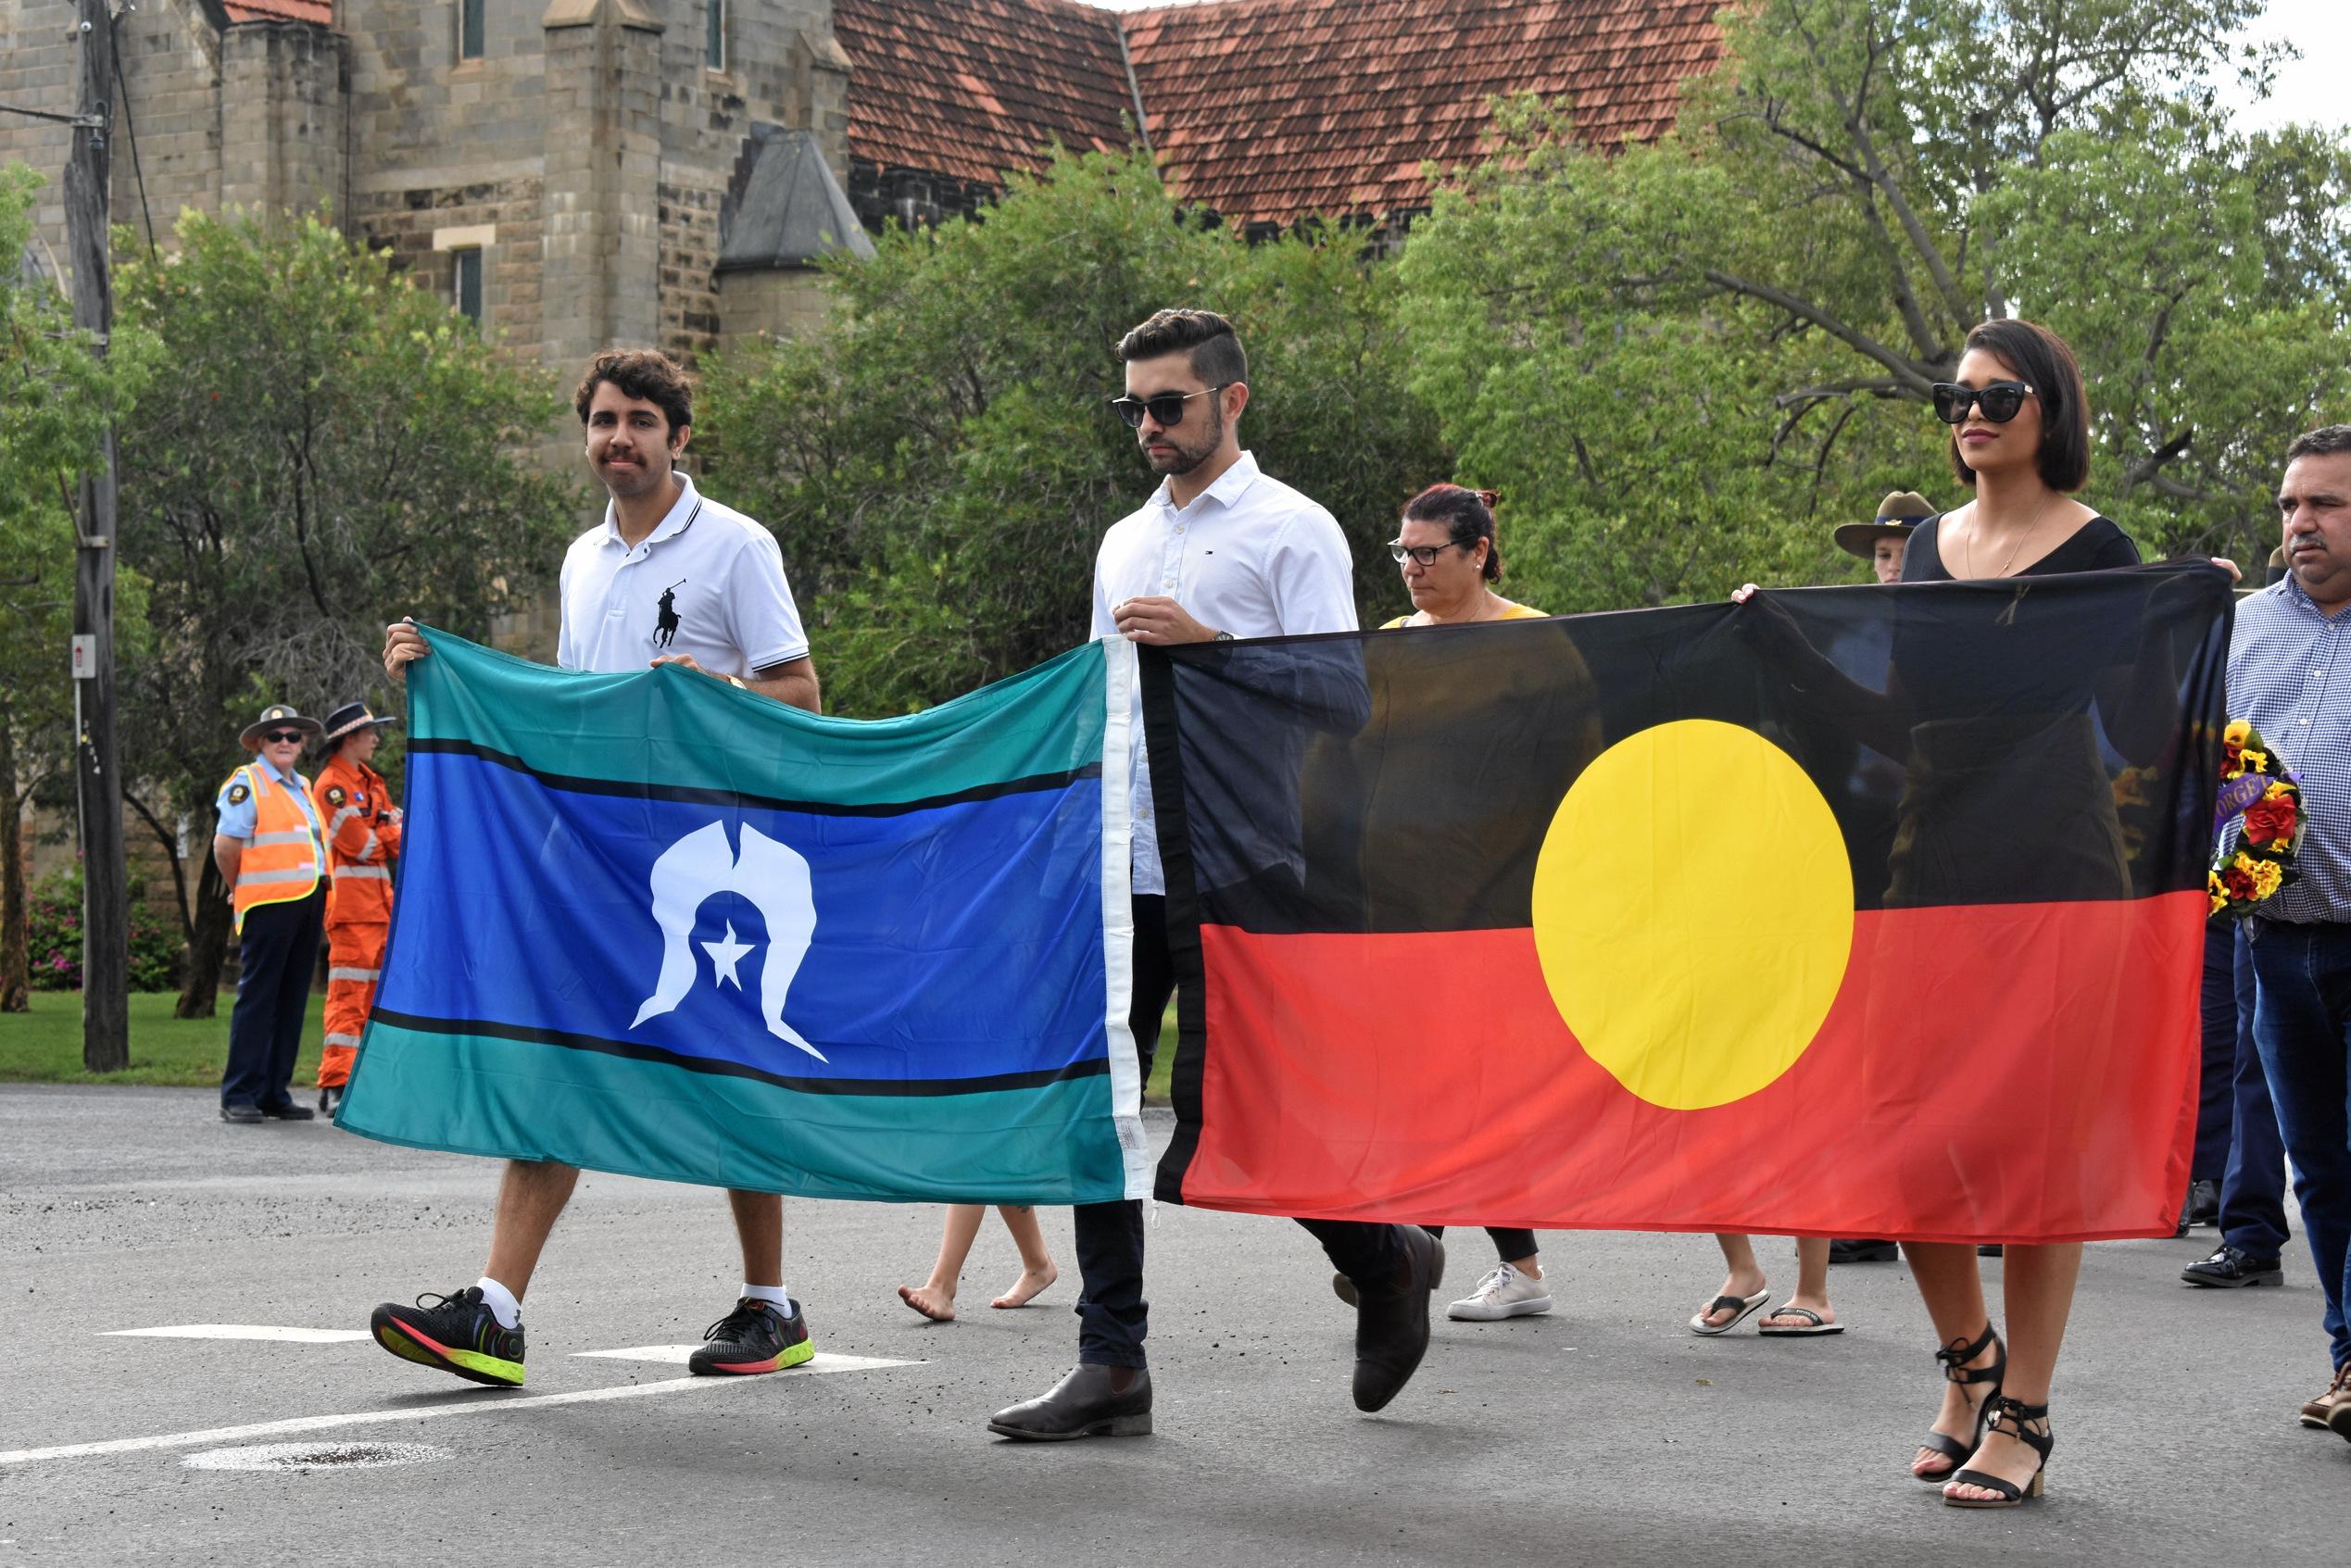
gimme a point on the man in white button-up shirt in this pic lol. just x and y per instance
(668, 577)
(1220, 550)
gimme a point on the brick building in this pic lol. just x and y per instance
(568, 173)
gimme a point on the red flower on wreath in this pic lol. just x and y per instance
(2269, 819)
(2238, 881)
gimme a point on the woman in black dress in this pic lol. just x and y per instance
(2019, 438)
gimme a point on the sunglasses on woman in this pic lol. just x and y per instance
(2001, 401)
(1167, 408)
(280, 736)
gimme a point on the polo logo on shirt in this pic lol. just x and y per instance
(665, 630)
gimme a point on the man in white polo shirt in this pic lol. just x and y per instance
(668, 577)
(1220, 550)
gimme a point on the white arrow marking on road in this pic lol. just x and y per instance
(481, 1404)
(239, 1331)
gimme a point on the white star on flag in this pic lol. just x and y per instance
(724, 956)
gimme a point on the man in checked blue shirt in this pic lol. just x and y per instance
(2290, 674)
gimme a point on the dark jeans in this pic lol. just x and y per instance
(2215, 1098)
(276, 953)
(1113, 1315)
(2253, 1217)
(2302, 1027)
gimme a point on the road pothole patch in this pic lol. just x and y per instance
(307, 1457)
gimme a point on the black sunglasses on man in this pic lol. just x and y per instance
(1167, 408)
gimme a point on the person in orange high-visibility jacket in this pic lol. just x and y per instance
(272, 852)
(363, 840)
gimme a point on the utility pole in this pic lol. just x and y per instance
(106, 905)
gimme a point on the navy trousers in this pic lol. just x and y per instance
(2302, 1027)
(276, 953)
(1113, 1315)
(2253, 1218)
(2215, 1098)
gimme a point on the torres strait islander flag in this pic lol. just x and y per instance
(1851, 911)
(652, 924)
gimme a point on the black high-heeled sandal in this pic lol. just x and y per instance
(2013, 1417)
(1954, 1359)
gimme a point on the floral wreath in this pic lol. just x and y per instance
(2257, 785)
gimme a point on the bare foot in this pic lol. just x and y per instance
(1028, 1287)
(931, 1302)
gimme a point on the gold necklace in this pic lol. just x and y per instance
(2014, 550)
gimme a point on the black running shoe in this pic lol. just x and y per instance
(753, 1338)
(456, 1333)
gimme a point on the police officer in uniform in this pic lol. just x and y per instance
(363, 840)
(272, 854)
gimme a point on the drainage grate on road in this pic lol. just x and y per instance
(308, 1457)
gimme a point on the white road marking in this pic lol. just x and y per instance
(239, 1331)
(675, 1355)
(312, 1457)
(479, 1405)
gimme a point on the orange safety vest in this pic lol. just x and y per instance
(280, 860)
(362, 839)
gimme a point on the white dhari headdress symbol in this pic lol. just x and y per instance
(774, 877)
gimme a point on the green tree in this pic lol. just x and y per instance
(338, 448)
(939, 464)
(57, 398)
(1742, 321)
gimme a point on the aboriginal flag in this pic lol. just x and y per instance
(1852, 912)
(651, 924)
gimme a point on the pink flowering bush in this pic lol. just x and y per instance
(53, 932)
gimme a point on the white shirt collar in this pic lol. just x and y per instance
(1226, 492)
(672, 522)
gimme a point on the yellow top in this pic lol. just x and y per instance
(1513, 612)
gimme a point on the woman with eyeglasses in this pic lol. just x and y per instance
(2020, 440)
(1449, 557)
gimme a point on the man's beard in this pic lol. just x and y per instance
(1185, 459)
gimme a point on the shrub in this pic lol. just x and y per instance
(53, 932)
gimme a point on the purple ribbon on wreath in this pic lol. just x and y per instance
(2243, 791)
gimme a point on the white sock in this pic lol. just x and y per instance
(772, 1292)
(501, 1303)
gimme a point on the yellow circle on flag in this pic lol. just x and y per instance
(1693, 912)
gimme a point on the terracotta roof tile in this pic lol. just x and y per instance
(1273, 109)
(1265, 110)
(319, 13)
(972, 88)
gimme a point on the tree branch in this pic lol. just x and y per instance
(1906, 372)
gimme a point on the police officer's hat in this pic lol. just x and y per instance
(276, 714)
(1897, 515)
(349, 716)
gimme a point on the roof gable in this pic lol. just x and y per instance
(317, 13)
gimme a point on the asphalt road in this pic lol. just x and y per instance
(1602, 1434)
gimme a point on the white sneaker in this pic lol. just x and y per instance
(1506, 1293)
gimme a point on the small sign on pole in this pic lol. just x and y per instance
(85, 656)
